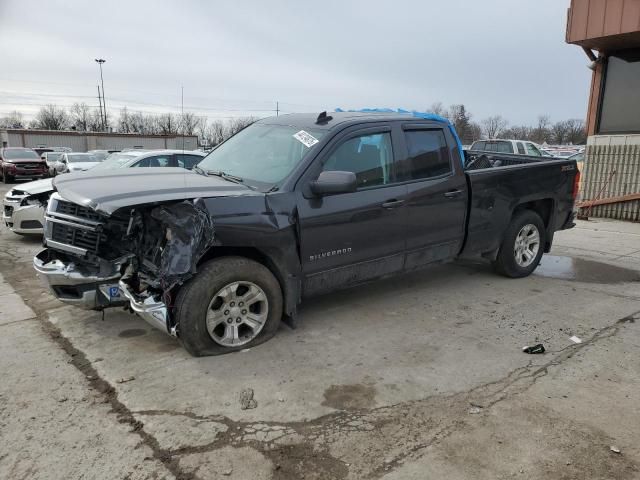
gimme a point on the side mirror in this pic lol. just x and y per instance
(334, 182)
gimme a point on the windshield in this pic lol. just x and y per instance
(115, 161)
(54, 156)
(80, 157)
(261, 152)
(11, 154)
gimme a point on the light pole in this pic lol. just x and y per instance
(100, 61)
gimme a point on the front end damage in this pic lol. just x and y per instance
(135, 257)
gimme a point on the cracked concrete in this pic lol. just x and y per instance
(418, 377)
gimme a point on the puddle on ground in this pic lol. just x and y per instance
(349, 397)
(580, 270)
(132, 332)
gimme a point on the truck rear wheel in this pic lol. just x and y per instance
(231, 304)
(522, 246)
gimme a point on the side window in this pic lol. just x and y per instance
(369, 156)
(156, 161)
(491, 147)
(188, 161)
(521, 148)
(428, 154)
(478, 146)
(505, 147)
(532, 150)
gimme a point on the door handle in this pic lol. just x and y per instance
(452, 193)
(392, 203)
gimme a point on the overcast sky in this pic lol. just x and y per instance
(239, 57)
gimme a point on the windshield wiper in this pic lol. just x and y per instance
(200, 171)
(226, 176)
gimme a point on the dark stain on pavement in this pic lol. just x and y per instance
(580, 270)
(350, 397)
(132, 332)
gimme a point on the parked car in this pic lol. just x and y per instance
(291, 207)
(102, 154)
(24, 207)
(75, 162)
(514, 147)
(152, 158)
(17, 162)
(51, 159)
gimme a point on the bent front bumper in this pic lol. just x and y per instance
(91, 291)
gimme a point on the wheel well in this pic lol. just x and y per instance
(252, 254)
(541, 207)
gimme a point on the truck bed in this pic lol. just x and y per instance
(500, 183)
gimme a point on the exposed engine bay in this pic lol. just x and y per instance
(152, 249)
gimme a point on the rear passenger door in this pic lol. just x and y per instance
(436, 196)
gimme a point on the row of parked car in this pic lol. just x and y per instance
(24, 205)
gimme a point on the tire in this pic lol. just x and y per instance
(513, 258)
(199, 300)
(6, 178)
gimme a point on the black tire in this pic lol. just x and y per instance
(6, 178)
(195, 296)
(506, 263)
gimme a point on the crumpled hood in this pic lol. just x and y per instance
(33, 188)
(107, 191)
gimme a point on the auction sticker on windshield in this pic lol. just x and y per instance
(305, 138)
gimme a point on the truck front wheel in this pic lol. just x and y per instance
(522, 246)
(231, 304)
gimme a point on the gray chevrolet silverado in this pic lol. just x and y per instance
(290, 207)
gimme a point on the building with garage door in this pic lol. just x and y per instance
(609, 33)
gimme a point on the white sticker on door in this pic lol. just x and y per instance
(305, 138)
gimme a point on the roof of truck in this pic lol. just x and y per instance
(308, 120)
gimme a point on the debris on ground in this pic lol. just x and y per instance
(126, 379)
(247, 401)
(539, 348)
(475, 410)
(614, 449)
(575, 339)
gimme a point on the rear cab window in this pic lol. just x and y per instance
(428, 155)
(521, 150)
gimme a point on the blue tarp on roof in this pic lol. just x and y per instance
(423, 115)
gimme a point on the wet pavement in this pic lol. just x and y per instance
(581, 270)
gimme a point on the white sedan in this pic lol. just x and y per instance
(75, 162)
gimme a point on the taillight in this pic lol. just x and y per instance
(576, 184)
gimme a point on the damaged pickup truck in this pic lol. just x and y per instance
(290, 207)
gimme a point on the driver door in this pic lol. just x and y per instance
(353, 237)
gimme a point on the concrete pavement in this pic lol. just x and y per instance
(421, 376)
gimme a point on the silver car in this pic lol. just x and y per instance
(52, 159)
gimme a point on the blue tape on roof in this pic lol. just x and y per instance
(423, 115)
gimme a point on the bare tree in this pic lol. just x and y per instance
(188, 123)
(124, 121)
(14, 120)
(493, 126)
(216, 133)
(237, 124)
(167, 124)
(576, 131)
(438, 109)
(541, 133)
(80, 116)
(51, 117)
(559, 132)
